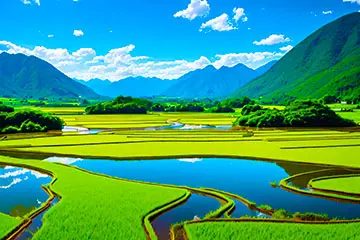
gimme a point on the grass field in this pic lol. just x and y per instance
(147, 120)
(96, 207)
(271, 231)
(116, 208)
(7, 223)
(346, 184)
(138, 144)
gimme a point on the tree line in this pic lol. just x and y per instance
(27, 121)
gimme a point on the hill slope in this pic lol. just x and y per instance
(132, 86)
(23, 76)
(210, 82)
(327, 62)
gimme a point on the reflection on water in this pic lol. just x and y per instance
(63, 160)
(20, 190)
(20, 210)
(197, 206)
(181, 126)
(35, 225)
(242, 210)
(249, 179)
(80, 130)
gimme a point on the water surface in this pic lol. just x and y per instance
(247, 178)
(20, 190)
(197, 206)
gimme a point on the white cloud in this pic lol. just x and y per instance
(253, 60)
(30, 2)
(220, 24)
(190, 160)
(352, 1)
(287, 48)
(196, 8)
(272, 40)
(14, 173)
(14, 182)
(239, 14)
(327, 12)
(50, 36)
(78, 33)
(84, 52)
(120, 63)
(20, 172)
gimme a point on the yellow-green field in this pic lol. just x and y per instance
(345, 184)
(127, 121)
(113, 200)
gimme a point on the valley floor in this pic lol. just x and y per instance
(104, 207)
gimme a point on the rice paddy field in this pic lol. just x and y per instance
(261, 230)
(97, 205)
(7, 223)
(344, 184)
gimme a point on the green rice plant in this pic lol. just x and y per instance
(345, 184)
(271, 231)
(7, 223)
(93, 206)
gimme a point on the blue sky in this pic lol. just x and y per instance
(114, 39)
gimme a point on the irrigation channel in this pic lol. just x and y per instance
(175, 125)
(247, 178)
(21, 193)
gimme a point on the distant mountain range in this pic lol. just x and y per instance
(132, 86)
(202, 83)
(24, 77)
(327, 62)
(210, 82)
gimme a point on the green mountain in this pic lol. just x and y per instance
(28, 76)
(327, 62)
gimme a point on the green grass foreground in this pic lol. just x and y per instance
(346, 184)
(7, 223)
(271, 231)
(94, 207)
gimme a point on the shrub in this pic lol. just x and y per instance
(189, 107)
(29, 126)
(222, 109)
(281, 214)
(10, 129)
(47, 120)
(328, 99)
(157, 107)
(248, 109)
(6, 109)
(311, 216)
(265, 207)
(29, 121)
(239, 102)
(300, 113)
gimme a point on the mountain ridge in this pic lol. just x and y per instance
(28, 76)
(175, 88)
(326, 62)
